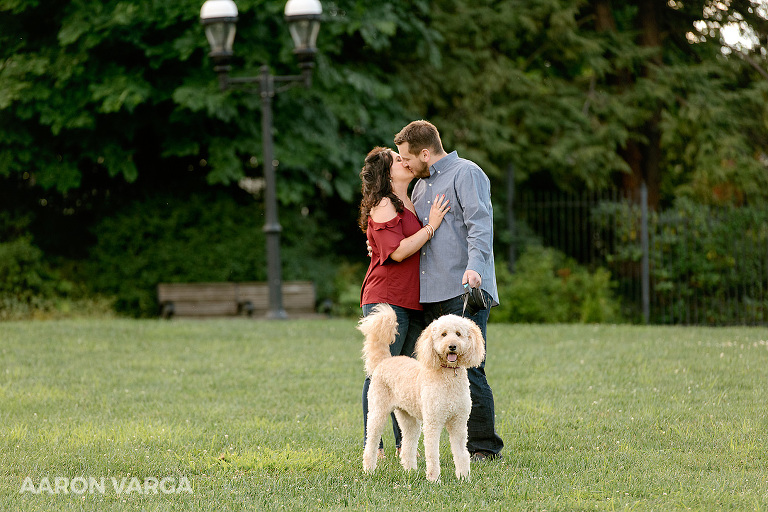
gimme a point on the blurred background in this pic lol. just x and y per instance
(626, 143)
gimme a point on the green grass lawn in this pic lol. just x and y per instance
(253, 415)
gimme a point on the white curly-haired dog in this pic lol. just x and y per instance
(432, 389)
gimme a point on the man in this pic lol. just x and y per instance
(459, 254)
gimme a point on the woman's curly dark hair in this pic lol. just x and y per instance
(376, 183)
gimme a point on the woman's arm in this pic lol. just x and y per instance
(409, 246)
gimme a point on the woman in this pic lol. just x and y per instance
(395, 235)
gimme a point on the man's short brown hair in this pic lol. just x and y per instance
(420, 135)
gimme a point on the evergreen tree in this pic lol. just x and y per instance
(581, 94)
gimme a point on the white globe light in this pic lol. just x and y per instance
(303, 8)
(303, 17)
(213, 9)
(219, 18)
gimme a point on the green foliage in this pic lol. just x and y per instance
(710, 139)
(206, 237)
(31, 288)
(106, 87)
(534, 100)
(95, 95)
(705, 261)
(23, 274)
(548, 287)
(576, 93)
(349, 282)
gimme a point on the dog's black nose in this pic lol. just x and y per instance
(452, 348)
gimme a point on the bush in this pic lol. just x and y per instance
(208, 236)
(29, 288)
(548, 287)
(349, 282)
(707, 263)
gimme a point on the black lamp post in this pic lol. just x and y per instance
(303, 16)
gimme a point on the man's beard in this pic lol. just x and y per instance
(422, 171)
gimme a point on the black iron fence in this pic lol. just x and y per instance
(690, 264)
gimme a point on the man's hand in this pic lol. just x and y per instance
(473, 278)
(368, 246)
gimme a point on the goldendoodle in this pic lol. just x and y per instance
(432, 389)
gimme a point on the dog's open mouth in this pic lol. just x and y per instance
(452, 357)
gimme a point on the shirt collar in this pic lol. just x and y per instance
(443, 163)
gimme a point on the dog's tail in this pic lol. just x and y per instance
(380, 330)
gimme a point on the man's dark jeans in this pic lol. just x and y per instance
(481, 426)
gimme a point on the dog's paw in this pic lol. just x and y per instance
(369, 465)
(408, 460)
(462, 475)
(433, 476)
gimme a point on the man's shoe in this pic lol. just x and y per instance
(482, 456)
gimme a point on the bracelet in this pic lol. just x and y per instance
(430, 231)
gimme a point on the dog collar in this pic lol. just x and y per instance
(454, 368)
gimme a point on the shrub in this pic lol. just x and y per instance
(29, 288)
(548, 287)
(208, 236)
(349, 282)
(707, 263)
(22, 271)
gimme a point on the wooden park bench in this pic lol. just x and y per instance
(204, 300)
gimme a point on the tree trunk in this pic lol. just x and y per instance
(644, 160)
(651, 37)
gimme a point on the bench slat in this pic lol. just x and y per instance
(196, 292)
(203, 308)
(230, 299)
(297, 295)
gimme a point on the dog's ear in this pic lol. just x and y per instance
(425, 353)
(476, 354)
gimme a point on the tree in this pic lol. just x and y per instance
(108, 102)
(516, 84)
(102, 101)
(104, 104)
(697, 136)
(586, 93)
(124, 88)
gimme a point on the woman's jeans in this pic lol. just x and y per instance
(481, 425)
(410, 323)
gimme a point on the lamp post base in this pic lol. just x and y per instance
(279, 314)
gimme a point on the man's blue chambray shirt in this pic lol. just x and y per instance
(464, 240)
